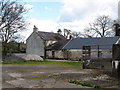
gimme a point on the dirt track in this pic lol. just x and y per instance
(49, 76)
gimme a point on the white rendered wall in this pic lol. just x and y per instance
(119, 10)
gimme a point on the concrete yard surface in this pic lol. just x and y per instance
(52, 76)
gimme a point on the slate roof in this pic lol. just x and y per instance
(61, 40)
(51, 36)
(58, 45)
(78, 43)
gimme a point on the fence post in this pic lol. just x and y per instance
(98, 51)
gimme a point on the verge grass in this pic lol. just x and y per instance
(77, 64)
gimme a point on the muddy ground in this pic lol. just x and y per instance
(49, 76)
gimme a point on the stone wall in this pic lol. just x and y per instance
(65, 54)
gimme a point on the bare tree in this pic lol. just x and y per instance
(75, 34)
(11, 20)
(100, 28)
(67, 33)
(17, 38)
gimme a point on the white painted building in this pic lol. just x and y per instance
(39, 42)
(119, 10)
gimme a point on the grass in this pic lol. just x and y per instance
(45, 62)
(84, 84)
(38, 77)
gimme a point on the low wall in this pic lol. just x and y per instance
(66, 54)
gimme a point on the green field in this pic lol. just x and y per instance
(77, 64)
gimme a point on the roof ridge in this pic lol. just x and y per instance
(51, 36)
(46, 32)
(97, 37)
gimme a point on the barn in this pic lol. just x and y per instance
(95, 52)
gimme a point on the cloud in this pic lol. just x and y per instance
(76, 25)
(42, 25)
(51, 26)
(119, 10)
(28, 6)
(80, 9)
(76, 15)
(47, 8)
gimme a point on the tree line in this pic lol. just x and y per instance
(11, 21)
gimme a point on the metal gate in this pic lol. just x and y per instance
(97, 57)
(86, 55)
(86, 52)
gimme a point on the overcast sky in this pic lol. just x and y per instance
(49, 15)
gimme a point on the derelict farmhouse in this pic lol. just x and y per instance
(55, 46)
(102, 53)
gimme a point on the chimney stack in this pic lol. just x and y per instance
(59, 31)
(35, 29)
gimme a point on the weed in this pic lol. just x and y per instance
(84, 84)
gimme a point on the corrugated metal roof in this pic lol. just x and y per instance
(78, 43)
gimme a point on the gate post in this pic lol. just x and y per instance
(116, 61)
(86, 55)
